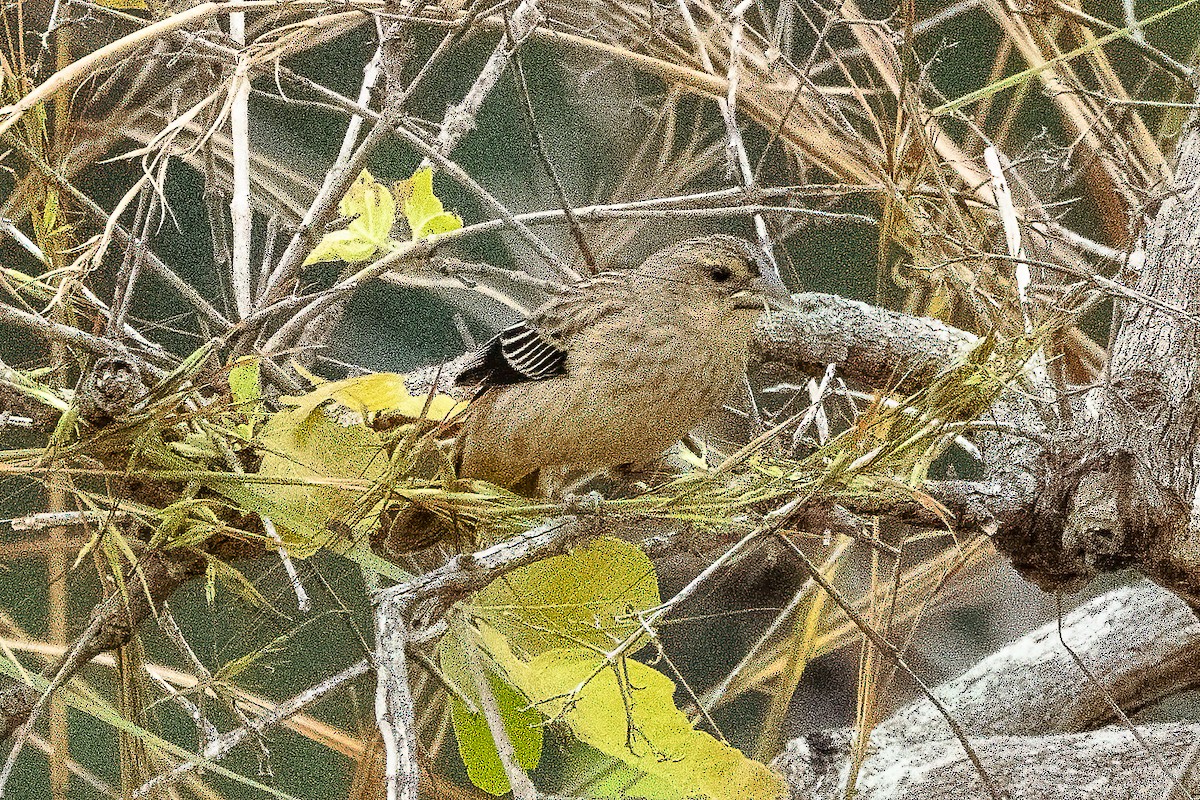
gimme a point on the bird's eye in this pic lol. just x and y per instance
(721, 273)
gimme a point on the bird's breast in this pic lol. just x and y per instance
(642, 392)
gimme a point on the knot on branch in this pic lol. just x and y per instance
(18, 699)
(1094, 530)
(16, 703)
(1038, 542)
(114, 624)
(583, 504)
(111, 387)
(1092, 514)
(1141, 388)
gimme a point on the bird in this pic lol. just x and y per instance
(616, 368)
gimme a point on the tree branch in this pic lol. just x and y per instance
(1107, 763)
(1027, 708)
(113, 624)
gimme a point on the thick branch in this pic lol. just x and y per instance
(1119, 485)
(1109, 763)
(870, 345)
(1024, 707)
(1148, 430)
(1141, 642)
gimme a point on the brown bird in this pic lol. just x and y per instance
(618, 367)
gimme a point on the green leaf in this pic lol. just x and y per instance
(627, 711)
(360, 552)
(187, 522)
(25, 383)
(586, 598)
(310, 453)
(246, 390)
(373, 212)
(50, 211)
(475, 744)
(612, 778)
(424, 211)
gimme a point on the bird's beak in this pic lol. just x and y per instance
(764, 292)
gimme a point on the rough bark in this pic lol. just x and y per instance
(1029, 712)
(1107, 764)
(1117, 486)
(871, 345)
(1148, 428)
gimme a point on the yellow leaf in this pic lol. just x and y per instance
(587, 597)
(379, 391)
(311, 377)
(324, 470)
(424, 211)
(344, 245)
(372, 210)
(125, 5)
(440, 223)
(627, 711)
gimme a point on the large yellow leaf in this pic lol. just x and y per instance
(372, 210)
(324, 470)
(424, 211)
(627, 711)
(588, 597)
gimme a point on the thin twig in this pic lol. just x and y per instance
(220, 747)
(319, 214)
(240, 213)
(131, 266)
(459, 119)
(739, 158)
(1135, 37)
(539, 147)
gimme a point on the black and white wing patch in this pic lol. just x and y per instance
(518, 353)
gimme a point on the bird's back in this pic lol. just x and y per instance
(640, 369)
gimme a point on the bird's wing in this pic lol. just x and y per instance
(519, 353)
(536, 349)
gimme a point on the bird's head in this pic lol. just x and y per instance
(729, 269)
